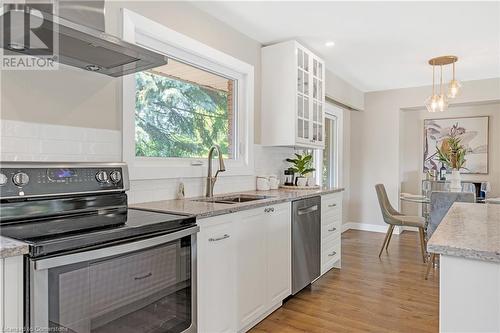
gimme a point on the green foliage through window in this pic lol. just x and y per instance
(177, 118)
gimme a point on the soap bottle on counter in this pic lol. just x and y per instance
(181, 194)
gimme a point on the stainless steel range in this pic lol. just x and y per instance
(95, 265)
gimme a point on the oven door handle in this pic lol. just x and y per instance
(112, 250)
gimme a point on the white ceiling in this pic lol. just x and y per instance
(378, 45)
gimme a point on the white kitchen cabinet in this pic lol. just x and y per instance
(244, 273)
(252, 266)
(217, 290)
(279, 254)
(293, 96)
(331, 229)
(11, 294)
(264, 262)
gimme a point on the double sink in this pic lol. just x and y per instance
(234, 199)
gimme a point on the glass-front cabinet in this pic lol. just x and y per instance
(293, 96)
(303, 100)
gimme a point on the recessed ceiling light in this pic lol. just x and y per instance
(330, 44)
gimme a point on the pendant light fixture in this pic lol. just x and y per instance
(432, 102)
(438, 102)
(454, 86)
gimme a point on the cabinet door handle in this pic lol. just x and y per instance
(307, 210)
(332, 254)
(143, 277)
(218, 238)
(332, 205)
(332, 229)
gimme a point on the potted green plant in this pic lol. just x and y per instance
(302, 166)
(452, 154)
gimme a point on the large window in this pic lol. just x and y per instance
(329, 171)
(329, 160)
(182, 111)
(174, 113)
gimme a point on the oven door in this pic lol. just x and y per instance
(143, 286)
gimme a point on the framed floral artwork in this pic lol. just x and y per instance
(473, 133)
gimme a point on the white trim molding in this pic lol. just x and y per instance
(372, 227)
(147, 33)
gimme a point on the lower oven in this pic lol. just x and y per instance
(147, 285)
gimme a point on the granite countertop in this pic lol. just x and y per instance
(209, 209)
(10, 247)
(470, 231)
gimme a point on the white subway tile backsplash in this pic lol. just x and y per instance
(15, 157)
(103, 135)
(19, 145)
(104, 158)
(56, 132)
(96, 148)
(24, 141)
(57, 147)
(19, 129)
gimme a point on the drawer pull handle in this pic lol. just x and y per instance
(143, 277)
(332, 229)
(332, 205)
(268, 210)
(218, 238)
(332, 254)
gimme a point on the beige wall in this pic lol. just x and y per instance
(341, 91)
(64, 97)
(411, 148)
(375, 143)
(78, 98)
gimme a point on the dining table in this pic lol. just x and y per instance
(415, 199)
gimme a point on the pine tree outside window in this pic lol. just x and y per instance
(174, 113)
(181, 111)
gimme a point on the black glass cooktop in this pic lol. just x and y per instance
(52, 235)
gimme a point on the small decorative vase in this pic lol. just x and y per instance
(301, 181)
(455, 181)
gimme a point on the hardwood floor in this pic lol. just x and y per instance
(368, 294)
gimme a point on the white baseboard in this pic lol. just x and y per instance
(345, 227)
(412, 229)
(373, 227)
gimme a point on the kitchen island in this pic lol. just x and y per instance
(468, 240)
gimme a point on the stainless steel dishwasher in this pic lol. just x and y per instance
(306, 242)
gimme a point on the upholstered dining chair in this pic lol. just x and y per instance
(441, 203)
(394, 218)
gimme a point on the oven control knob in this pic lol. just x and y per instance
(20, 179)
(3, 179)
(115, 176)
(102, 177)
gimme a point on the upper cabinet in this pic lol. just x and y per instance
(293, 96)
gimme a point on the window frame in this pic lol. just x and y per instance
(336, 115)
(147, 33)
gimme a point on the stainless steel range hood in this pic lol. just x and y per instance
(79, 35)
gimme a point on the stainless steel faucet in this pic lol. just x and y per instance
(211, 180)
